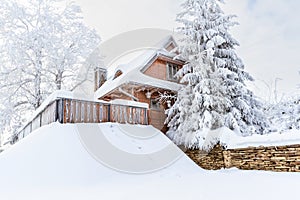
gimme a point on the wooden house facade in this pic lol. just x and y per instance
(144, 79)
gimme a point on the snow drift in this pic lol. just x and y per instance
(53, 158)
(52, 163)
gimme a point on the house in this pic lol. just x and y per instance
(143, 80)
(130, 96)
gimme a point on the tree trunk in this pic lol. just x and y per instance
(58, 80)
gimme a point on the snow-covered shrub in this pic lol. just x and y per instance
(285, 115)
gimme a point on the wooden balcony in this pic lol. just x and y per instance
(66, 110)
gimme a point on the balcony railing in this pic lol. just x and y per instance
(66, 110)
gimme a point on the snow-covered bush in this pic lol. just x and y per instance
(285, 114)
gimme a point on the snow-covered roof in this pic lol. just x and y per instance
(132, 71)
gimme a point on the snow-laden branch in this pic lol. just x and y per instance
(43, 45)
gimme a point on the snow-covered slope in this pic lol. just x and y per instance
(54, 163)
(53, 158)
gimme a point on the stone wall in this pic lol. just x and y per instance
(274, 158)
(212, 160)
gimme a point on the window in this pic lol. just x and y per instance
(172, 69)
(102, 80)
(154, 104)
(117, 74)
(100, 77)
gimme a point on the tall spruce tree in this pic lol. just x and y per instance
(215, 93)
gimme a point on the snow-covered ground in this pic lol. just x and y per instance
(53, 163)
(232, 140)
(288, 137)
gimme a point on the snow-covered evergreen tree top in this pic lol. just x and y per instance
(205, 21)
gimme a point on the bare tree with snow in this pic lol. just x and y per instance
(43, 44)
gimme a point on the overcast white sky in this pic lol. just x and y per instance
(269, 32)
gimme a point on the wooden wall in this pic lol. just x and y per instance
(157, 117)
(157, 70)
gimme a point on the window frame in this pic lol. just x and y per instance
(172, 69)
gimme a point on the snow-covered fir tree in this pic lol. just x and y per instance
(201, 104)
(218, 94)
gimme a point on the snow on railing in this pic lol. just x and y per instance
(67, 110)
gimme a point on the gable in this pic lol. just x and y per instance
(149, 69)
(160, 68)
(170, 47)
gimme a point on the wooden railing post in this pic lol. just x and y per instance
(146, 116)
(60, 111)
(56, 111)
(108, 113)
(41, 119)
